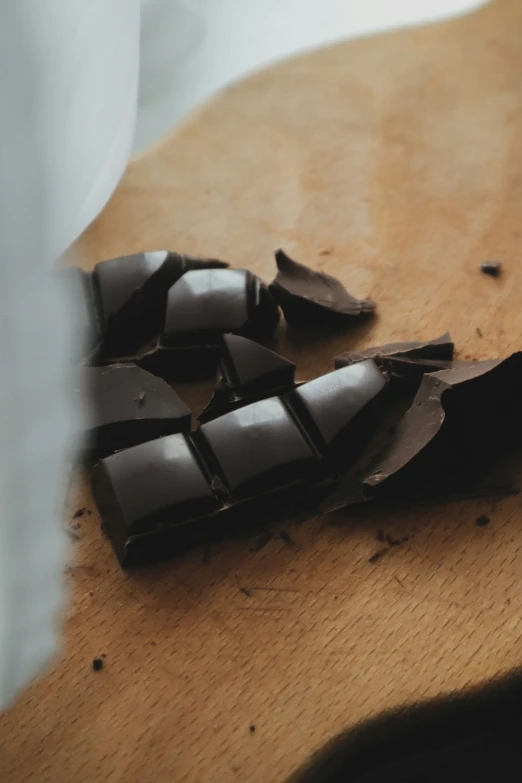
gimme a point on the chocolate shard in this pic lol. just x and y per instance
(492, 268)
(248, 365)
(247, 372)
(309, 298)
(440, 348)
(128, 406)
(144, 488)
(201, 306)
(252, 464)
(338, 410)
(460, 418)
(405, 361)
(132, 294)
(87, 322)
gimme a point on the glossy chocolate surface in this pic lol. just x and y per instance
(247, 372)
(333, 401)
(258, 447)
(248, 365)
(132, 292)
(140, 488)
(255, 459)
(128, 406)
(204, 304)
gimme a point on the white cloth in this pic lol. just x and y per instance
(68, 95)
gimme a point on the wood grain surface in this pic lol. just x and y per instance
(395, 163)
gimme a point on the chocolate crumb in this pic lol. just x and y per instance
(97, 664)
(245, 591)
(479, 332)
(283, 535)
(380, 535)
(252, 728)
(261, 542)
(79, 513)
(377, 556)
(492, 268)
(140, 399)
(396, 541)
(482, 520)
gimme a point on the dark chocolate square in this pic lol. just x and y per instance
(258, 447)
(205, 303)
(149, 486)
(127, 406)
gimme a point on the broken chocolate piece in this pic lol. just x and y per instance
(338, 408)
(406, 361)
(248, 365)
(492, 268)
(206, 303)
(164, 496)
(128, 406)
(247, 372)
(309, 298)
(132, 293)
(459, 418)
(201, 306)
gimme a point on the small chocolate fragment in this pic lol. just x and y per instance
(97, 664)
(87, 323)
(248, 365)
(492, 268)
(459, 418)
(129, 406)
(377, 556)
(247, 372)
(132, 292)
(309, 298)
(405, 361)
(482, 520)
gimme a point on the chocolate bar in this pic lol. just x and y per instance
(128, 406)
(247, 372)
(309, 298)
(405, 361)
(201, 306)
(132, 294)
(166, 495)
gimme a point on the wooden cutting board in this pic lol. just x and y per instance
(395, 163)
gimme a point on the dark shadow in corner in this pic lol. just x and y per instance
(469, 736)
